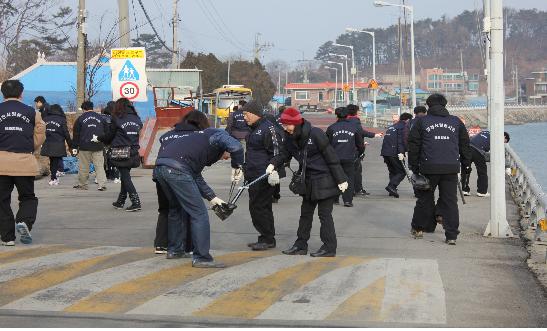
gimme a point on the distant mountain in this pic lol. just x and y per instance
(439, 42)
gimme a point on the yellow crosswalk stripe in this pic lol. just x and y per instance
(251, 300)
(19, 287)
(29, 253)
(126, 296)
(365, 305)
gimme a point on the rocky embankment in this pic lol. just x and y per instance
(512, 116)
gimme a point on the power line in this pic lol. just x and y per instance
(154, 29)
(234, 37)
(135, 18)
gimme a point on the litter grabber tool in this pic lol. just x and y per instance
(224, 210)
(460, 189)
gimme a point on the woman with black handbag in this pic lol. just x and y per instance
(123, 136)
(319, 181)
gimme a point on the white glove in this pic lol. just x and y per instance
(270, 169)
(94, 139)
(74, 152)
(216, 201)
(508, 171)
(343, 187)
(236, 175)
(401, 156)
(273, 178)
(378, 135)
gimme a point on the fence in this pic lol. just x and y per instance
(529, 195)
(507, 106)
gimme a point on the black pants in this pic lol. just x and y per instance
(260, 207)
(127, 186)
(110, 170)
(358, 176)
(277, 192)
(327, 233)
(482, 173)
(349, 170)
(396, 171)
(28, 204)
(161, 226)
(55, 164)
(425, 209)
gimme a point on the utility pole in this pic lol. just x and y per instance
(80, 56)
(260, 47)
(517, 88)
(486, 31)
(498, 226)
(229, 65)
(175, 59)
(123, 17)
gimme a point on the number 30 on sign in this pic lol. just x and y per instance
(129, 90)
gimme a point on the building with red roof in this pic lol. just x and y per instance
(320, 96)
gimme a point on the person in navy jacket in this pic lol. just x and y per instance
(393, 151)
(184, 152)
(345, 138)
(56, 135)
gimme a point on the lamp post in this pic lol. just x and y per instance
(374, 92)
(411, 10)
(353, 70)
(345, 57)
(335, 86)
(342, 69)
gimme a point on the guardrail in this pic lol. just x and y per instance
(382, 122)
(507, 106)
(529, 195)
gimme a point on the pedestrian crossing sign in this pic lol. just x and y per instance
(373, 84)
(128, 67)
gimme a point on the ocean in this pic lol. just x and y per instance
(529, 141)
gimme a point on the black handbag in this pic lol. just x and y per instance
(120, 153)
(298, 180)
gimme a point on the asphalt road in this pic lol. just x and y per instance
(94, 266)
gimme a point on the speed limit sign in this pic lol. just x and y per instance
(129, 90)
(128, 67)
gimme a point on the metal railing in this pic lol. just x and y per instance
(483, 108)
(382, 122)
(529, 196)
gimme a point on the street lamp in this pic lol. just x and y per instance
(411, 10)
(374, 92)
(342, 70)
(345, 57)
(335, 86)
(353, 70)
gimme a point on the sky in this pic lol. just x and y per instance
(295, 28)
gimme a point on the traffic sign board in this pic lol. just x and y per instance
(346, 87)
(373, 84)
(128, 67)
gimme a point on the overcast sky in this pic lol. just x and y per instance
(292, 26)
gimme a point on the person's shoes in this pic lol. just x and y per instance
(101, 188)
(117, 181)
(392, 192)
(251, 244)
(323, 253)
(361, 193)
(160, 250)
(451, 242)
(417, 234)
(177, 255)
(96, 181)
(118, 204)
(295, 251)
(24, 233)
(60, 174)
(262, 246)
(8, 243)
(274, 200)
(483, 195)
(135, 203)
(53, 182)
(348, 204)
(207, 264)
(466, 193)
(80, 187)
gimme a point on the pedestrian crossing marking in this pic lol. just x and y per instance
(14, 255)
(251, 300)
(126, 296)
(18, 287)
(365, 305)
(255, 285)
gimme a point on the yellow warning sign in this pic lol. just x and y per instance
(128, 53)
(373, 84)
(346, 87)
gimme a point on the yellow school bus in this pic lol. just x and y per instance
(228, 96)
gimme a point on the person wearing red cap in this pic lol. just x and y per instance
(324, 179)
